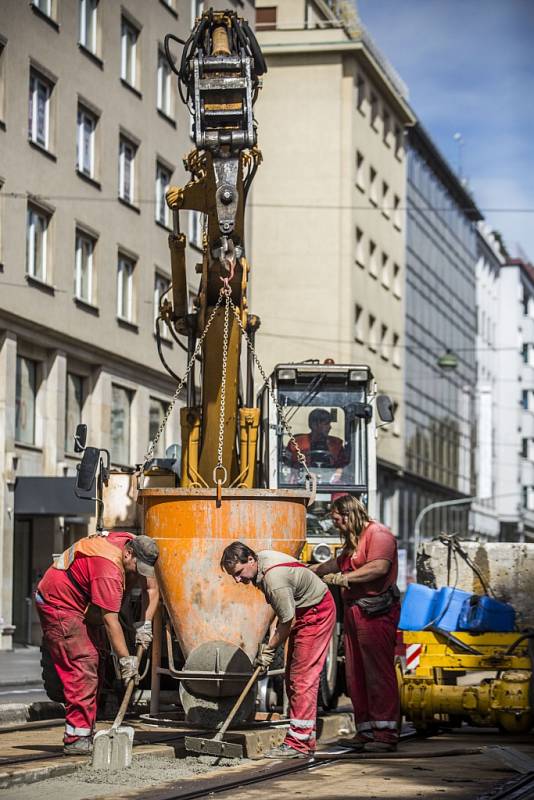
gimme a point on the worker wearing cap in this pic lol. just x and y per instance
(318, 440)
(306, 614)
(92, 572)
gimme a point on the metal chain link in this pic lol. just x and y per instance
(226, 291)
(155, 440)
(301, 458)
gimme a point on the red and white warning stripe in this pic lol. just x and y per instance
(413, 656)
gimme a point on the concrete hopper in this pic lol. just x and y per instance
(217, 622)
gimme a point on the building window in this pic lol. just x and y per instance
(386, 127)
(83, 271)
(525, 400)
(385, 199)
(129, 37)
(396, 358)
(397, 289)
(360, 257)
(384, 344)
(373, 104)
(161, 287)
(372, 259)
(88, 22)
(360, 93)
(371, 333)
(127, 153)
(45, 6)
(121, 409)
(125, 288)
(373, 194)
(85, 142)
(384, 271)
(266, 18)
(196, 229)
(157, 411)
(163, 179)
(396, 212)
(39, 109)
(36, 243)
(164, 85)
(360, 177)
(74, 400)
(358, 323)
(25, 400)
(398, 140)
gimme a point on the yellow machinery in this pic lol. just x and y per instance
(431, 696)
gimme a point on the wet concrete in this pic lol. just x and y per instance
(145, 771)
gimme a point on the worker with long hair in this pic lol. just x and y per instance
(366, 570)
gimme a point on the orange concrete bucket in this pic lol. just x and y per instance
(217, 622)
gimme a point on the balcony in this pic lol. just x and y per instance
(527, 329)
(527, 376)
(527, 472)
(527, 424)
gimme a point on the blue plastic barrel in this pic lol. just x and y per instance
(481, 614)
(447, 607)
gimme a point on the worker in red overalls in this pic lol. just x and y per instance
(306, 614)
(366, 569)
(91, 576)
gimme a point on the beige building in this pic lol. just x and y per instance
(328, 206)
(91, 133)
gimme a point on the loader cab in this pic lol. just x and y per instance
(330, 410)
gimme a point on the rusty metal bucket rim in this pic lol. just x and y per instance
(268, 494)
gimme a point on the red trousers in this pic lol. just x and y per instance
(306, 654)
(370, 669)
(74, 647)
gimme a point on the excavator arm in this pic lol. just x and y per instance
(219, 79)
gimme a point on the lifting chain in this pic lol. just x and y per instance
(152, 446)
(225, 294)
(301, 458)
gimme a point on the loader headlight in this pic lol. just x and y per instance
(321, 552)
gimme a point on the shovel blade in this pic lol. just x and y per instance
(112, 749)
(213, 747)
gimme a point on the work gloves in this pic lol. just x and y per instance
(336, 579)
(143, 634)
(265, 657)
(129, 668)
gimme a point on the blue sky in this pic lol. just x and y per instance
(469, 66)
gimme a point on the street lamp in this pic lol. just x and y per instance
(448, 361)
(424, 511)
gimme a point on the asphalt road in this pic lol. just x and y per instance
(29, 693)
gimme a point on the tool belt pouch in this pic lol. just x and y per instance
(376, 605)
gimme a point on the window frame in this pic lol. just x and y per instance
(83, 40)
(129, 76)
(82, 237)
(124, 144)
(38, 80)
(33, 212)
(161, 204)
(84, 114)
(69, 438)
(125, 265)
(129, 394)
(18, 400)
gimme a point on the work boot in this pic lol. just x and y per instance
(380, 747)
(284, 751)
(79, 747)
(356, 743)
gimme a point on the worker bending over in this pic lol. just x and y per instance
(306, 616)
(92, 573)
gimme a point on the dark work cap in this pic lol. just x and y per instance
(146, 551)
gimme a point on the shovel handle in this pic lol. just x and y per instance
(127, 694)
(237, 704)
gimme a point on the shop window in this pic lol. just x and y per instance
(121, 409)
(25, 400)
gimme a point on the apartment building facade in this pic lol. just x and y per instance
(441, 342)
(328, 218)
(91, 134)
(515, 401)
(490, 449)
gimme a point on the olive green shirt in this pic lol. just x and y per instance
(287, 588)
